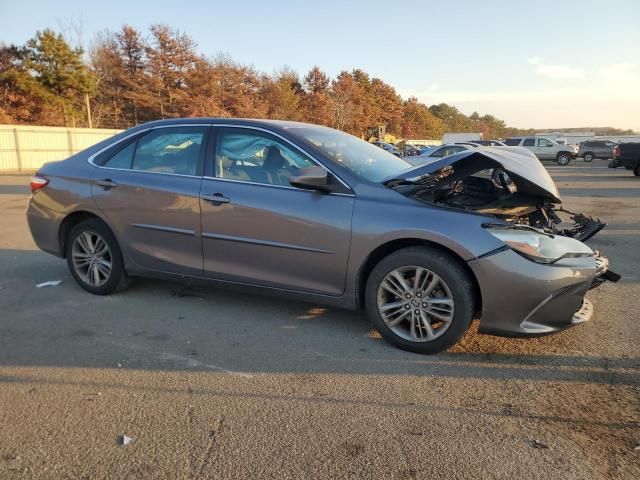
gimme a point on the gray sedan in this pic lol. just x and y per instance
(308, 212)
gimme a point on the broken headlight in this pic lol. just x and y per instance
(539, 246)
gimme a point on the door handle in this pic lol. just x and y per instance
(107, 183)
(216, 198)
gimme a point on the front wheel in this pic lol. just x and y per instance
(588, 157)
(563, 158)
(94, 258)
(636, 171)
(420, 299)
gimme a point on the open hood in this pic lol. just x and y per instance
(522, 166)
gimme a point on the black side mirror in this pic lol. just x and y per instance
(311, 178)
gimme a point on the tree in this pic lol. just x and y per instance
(315, 102)
(283, 93)
(344, 100)
(453, 119)
(22, 98)
(419, 122)
(387, 106)
(171, 56)
(60, 70)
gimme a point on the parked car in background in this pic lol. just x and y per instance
(627, 155)
(545, 148)
(441, 152)
(312, 213)
(426, 149)
(388, 147)
(596, 149)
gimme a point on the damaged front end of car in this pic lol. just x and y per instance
(543, 262)
(508, 184)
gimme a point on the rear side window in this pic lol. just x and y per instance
(529, 142)
(122, 159)
(170, 150)
(512, 142)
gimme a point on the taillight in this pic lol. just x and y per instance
(37, 182)
(616, 151)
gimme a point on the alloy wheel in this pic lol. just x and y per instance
(91, 258)
(415, 303)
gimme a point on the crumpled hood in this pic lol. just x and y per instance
(522, 165)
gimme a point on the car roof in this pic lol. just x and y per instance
(254, 122)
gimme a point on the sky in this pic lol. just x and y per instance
(539, 64)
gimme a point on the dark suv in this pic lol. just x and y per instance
(596, 149)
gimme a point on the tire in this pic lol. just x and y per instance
(563, 158)
(636, 171)
(451, 299)
(588, 157)
(84, 261)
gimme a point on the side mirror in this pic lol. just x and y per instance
(311, 178)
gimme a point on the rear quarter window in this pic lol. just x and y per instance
(512, 142)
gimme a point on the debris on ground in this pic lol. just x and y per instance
(537, 444)
(51, 283)
(637, 448)
(124, 440)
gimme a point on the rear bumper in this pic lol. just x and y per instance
(44, 228)
(522, 298)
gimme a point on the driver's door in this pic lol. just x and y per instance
(258, 229)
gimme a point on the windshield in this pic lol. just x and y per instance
(362, 158)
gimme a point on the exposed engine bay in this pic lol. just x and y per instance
(476, 181)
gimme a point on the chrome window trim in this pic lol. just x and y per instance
(92, 157)
(286, 187)
(223, 125)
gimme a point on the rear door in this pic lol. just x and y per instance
(258, 229)
(149, 190)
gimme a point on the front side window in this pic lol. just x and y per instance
(170, 150)
(544, 142)
(253, 156)
(529, 142)
(362, 158)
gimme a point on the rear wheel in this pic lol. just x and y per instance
(588, 157)
(94, 258)
(420, 299)
(563, 158)
(636, 171)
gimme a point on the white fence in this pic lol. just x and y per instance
(26, 147)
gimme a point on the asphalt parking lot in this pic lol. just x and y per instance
(212, 384)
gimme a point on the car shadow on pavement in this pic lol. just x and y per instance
(163, 326)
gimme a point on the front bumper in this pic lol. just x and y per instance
(524, 298)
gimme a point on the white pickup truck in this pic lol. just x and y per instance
(545, 148)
